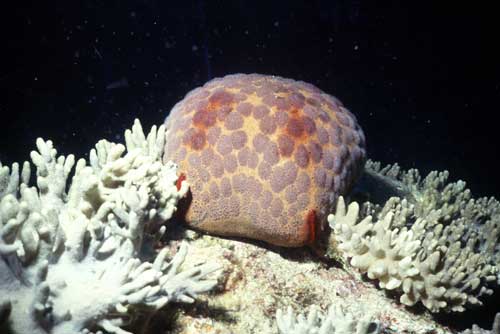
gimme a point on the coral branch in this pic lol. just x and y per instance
(437, 245)
(70, 247)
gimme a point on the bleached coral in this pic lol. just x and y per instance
(72, 248)
(336, 320)
(436, 245)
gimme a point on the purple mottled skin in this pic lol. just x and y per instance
(266, 157)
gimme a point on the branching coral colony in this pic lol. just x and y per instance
(72, 247)
(433, 242)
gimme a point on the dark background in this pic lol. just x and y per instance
(423, 80)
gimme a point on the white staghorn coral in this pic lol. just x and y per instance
(71, 257)
(335, 320)
(437, 245)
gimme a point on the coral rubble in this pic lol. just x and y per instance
(74, 248)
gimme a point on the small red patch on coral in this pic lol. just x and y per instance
(311, 226)
(178, 183)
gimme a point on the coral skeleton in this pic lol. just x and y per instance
(336, 320)
(435, 244)
(74, 248)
